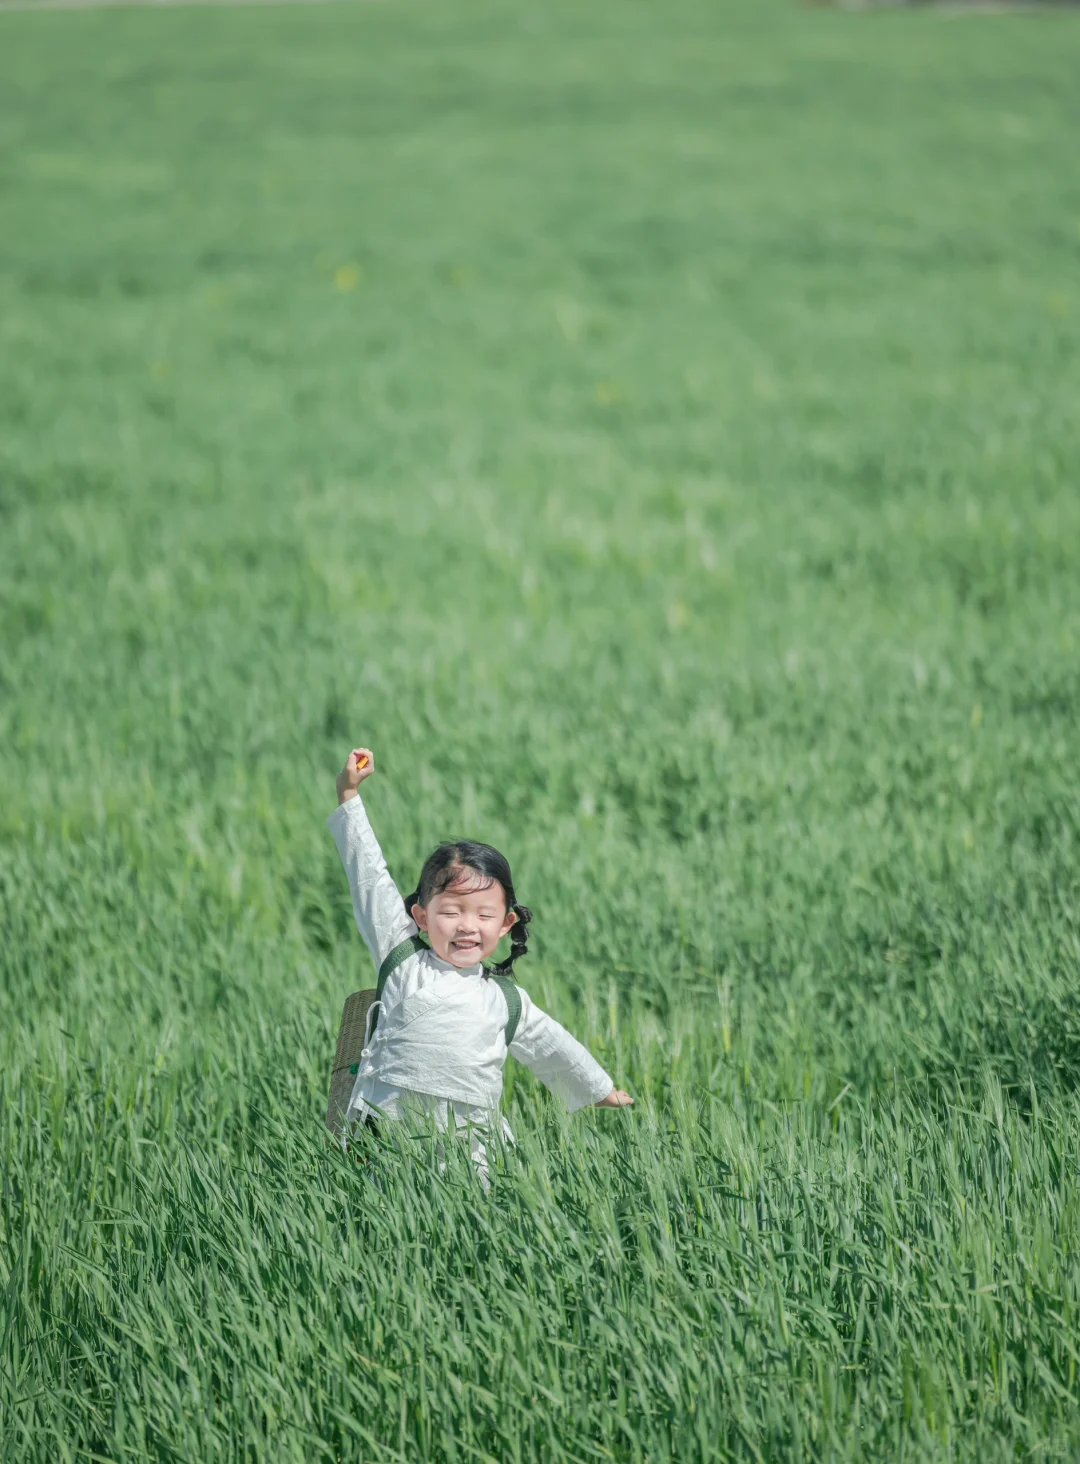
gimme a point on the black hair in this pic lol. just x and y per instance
(446, 866)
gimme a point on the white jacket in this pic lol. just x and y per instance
(441, 1031)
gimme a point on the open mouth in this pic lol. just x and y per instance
(465, 947)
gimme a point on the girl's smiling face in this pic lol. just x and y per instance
(466, 921)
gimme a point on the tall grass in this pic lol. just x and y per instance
(655, 432)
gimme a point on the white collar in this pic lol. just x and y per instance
(441, 965)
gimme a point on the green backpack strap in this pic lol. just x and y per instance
(513, 1005)
(411, 946)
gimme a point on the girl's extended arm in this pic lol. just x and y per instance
(561, 1062)
(380, 914)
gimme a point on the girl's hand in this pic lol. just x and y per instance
(615, 1099)
(360, 764)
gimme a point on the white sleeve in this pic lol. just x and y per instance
(380, 913)
(558, 1060)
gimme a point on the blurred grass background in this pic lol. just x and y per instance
(655, 431)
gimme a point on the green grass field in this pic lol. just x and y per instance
(655, 430)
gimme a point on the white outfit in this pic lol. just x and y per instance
(440, 1043)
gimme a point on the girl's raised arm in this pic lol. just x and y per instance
(381, 917)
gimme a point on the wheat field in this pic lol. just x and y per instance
(655, 431)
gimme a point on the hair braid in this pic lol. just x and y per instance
(519, 940)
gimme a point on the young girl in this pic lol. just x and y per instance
(444, 1024)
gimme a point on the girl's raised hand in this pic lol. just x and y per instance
(615, 1099)
(360, 764)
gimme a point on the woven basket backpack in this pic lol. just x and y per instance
(354, 1034)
